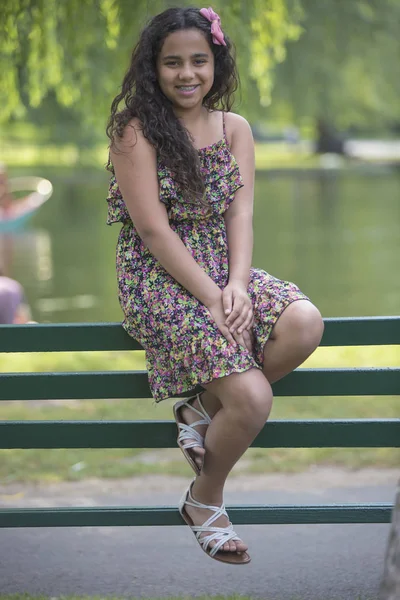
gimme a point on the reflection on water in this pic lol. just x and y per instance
(53, 305)
(27, 256)
(31, 253)
(336, 236)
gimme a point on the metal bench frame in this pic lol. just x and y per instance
(162, 434)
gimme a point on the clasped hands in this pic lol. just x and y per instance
(233, 315)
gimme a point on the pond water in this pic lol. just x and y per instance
(335, 234)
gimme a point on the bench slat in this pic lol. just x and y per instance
(65, 337)
(134, 384)
(162, 434)
(167, 515)
(323, 433)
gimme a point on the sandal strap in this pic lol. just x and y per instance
(218, 510)
(220, 535)
(202, 412)
(187, 432)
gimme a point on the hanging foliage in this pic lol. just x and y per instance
(310, 57)
(80, 48)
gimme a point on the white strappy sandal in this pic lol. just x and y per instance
(220, 535)
(188, 437)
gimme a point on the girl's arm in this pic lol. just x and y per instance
(135, 168)
(239, 216)
(239, 226)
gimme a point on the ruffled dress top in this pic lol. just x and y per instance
(184, 347)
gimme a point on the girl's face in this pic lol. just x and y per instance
(185, 68)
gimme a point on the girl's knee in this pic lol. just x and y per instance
(304, 323)
(250, 398)
(256, 407)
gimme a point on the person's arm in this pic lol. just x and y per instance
(136, 172)
(239, 216)
(6, 199)
(23, 314)
(239, 227)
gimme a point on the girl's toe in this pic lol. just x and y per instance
(241, 547)
(198, 455)
(232, 547)
(199, 452)
(210, 546)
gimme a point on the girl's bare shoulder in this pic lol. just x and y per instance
(132, 140)
(236, 126)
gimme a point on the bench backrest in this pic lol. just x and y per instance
(162, 434)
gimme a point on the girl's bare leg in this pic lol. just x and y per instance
(246, 400)
(294, 337)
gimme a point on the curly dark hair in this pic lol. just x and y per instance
(144, 99)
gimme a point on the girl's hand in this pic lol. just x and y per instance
(217, 312)
(237, 307)
(245, 339)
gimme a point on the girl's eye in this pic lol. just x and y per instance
(173, 63)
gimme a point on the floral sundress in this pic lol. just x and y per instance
(184, 348)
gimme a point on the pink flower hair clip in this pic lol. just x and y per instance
(216, 31)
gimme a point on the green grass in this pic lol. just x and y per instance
(72, 361)
(268, 155)
(40, 465)
(345, 356)
(27, 154)
(279, 155)
(37, 465)
(24, 154)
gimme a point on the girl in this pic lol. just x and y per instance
(182, 186)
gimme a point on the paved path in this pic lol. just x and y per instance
(374, 149)
(302, 562)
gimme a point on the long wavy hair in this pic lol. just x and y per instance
(142, 97)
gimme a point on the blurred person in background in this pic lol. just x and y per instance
(6, 198)
(14, 308)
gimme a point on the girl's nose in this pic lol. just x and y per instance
(186, 73)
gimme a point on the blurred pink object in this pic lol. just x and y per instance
(15, 212)
(11, 298)
(216, 31)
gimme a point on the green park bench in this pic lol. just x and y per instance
(162, 434)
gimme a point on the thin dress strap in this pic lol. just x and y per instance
(224, 126)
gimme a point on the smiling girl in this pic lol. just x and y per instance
(182, 186)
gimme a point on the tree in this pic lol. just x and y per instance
(345, 66)
(79, 49)
(331, 60)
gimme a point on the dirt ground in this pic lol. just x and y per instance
(86, 491)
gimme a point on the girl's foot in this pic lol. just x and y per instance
(211, 525)
(193, 419)
(200, 515)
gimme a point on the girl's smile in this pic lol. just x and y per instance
(185, 68)
(187, 90)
